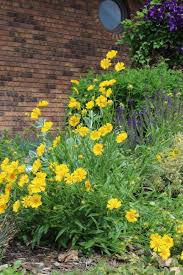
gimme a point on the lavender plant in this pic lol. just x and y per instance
(158, 111)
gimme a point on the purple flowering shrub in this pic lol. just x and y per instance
(156, 33)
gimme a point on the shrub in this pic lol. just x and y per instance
(155, 33)
(131, 88)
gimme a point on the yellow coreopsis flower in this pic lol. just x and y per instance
(121, 137)
(35, 113)
(164, 254)
(16, 206)
(167, 241)
(90, 88)
(98, 149)
(111, 54)
(74, 120)
(73, 103)
(82, 131)
(132, 215)
(87, 185)
(108, 92)
(181, 256)
(26, 201)
(113, 204)
(79, 175)
(36, 166)
(46, 126)
(40, 149)
(156, 242)
(74, 81)
(35, 201)
(56, 141)
(105, 63)
(3, 208)
(95, 135)
(90, 105)
(43, 103)
(61, 170)
(101, 101)
(119, 66)
(23, 180)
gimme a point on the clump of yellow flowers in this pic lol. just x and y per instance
(161, 245)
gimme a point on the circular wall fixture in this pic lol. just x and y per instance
(111, 14)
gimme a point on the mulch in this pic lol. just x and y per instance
(44, 260)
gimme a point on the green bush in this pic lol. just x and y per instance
(131, 84)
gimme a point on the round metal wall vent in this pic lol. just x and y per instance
(111, 14)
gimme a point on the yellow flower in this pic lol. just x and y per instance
(43, 103)
(109, 102)
(69, 178)
(90, 88)
(87, 185)
(35, 113)
(2, 208)
(180, 228)
(46, 126)
(56, 141)
(61, 170)
(156, 242)
(108, 92)
(26, 201)
(38, 184)
(35, 201)
(74, 120)
(119, 66)
(16, 206)
(82, 131)
(101, 101)
(36, 166)
(4, 163)
(95, 135)
(79, 175)
(73, 81)
(90, 105)
(121, 137)
(40, 149)
(98, 149)
(132, 215)
(105, 63)
(105, 129)
(73, 103)
(158, 157)
(23, 180)
(181, 256)
(164, 254)
(167, 241)
(21, 168)
(113, 204)
(111, 54)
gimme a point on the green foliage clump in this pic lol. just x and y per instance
(152, 35)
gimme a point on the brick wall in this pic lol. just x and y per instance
(44, 44)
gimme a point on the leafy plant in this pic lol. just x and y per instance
(156, 33)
